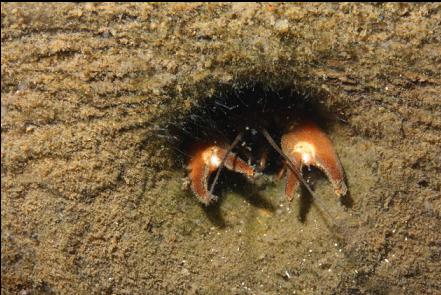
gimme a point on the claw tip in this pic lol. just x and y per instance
(341, 190)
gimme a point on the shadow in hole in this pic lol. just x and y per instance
(251, 193)
(347, 201)
(311, 175)
(305, 204)
(306, 200)
(213, 213)
(230, 181)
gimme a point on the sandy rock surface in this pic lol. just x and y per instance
(93, 199)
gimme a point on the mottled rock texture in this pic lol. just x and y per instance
(91, 194)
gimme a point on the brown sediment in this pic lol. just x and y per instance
(92, 198)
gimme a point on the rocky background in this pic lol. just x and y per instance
(92, 192)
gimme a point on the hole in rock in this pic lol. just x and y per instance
(221, 118)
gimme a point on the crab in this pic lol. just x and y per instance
(303, 144)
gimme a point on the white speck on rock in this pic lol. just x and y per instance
(282, 25)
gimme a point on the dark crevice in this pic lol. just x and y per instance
(221, 118)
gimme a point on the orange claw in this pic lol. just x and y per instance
(204, 161)
(306, 144)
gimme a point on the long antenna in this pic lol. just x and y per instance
(297, 173)
(222, 164)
